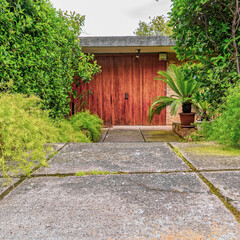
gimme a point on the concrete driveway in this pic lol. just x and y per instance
(132, 189)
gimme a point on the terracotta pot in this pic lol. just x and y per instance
(187, 119)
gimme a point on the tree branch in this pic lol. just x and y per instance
(206, 32)
(225, 5)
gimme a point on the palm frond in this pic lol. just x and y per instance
(158, 105)
(174, 106)
(169, 78)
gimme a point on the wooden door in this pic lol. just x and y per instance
(124, 90)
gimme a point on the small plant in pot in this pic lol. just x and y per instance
(184, 87)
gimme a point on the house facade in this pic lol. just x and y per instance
(124, 90)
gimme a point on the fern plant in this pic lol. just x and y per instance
(184, 87)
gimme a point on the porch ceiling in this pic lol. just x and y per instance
(126, 49)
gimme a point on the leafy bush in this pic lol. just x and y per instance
(67, 133)
(226, 128)
(25, 128)
(40, 52)
(91, 123)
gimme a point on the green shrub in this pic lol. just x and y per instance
(40, 53)
(92, 124)
(226, 128)
(67, 133)
(25, 128)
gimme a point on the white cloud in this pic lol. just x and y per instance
(114, 17)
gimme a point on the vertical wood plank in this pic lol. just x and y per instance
(106, 93)
(127, 115)
(125, 74)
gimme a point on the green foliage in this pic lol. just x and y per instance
(226, 128)
(158, 26)
(66, 132)
(182, 82)
(40, 52)
(92, 124)
(74, 20)
(208, 31)
(204, 110)
(25, 128)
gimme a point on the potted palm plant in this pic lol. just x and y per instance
(184, 87)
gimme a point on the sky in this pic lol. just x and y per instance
(114, 17)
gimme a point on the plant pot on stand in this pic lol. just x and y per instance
(187, 117)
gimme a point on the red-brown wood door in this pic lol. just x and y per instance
(125, 89)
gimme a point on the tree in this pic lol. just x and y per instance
(158, 26)
(207, 31)
(40, 52)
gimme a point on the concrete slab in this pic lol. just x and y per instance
(103, 134)
(195, 153)
(157, 128)
(228, 183)
(158, 206)
(119, 135)
(134, 157)
(4, 184)
(159, 136)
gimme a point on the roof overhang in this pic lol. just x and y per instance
(128, 44)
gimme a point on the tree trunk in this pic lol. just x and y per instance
(234, 31)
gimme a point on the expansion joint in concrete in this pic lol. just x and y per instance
(23, 177)
(105, 135)
(225, 200)
(8, 190)
(142, 135)
(104, 174)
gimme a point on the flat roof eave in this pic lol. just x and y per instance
(126, 41)
(127, 44)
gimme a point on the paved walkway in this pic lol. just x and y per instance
(138, 134)
(136, 187)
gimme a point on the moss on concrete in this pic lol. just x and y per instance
(95, 172)
(160, 136)
(212, 188)
(158, 132)
(211, 148)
